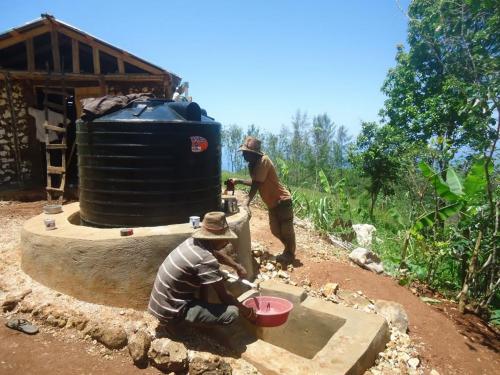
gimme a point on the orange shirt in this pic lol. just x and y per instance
(270, 189)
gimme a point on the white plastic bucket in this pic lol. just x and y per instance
(194, 221)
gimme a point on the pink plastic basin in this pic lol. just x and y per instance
(271, 311)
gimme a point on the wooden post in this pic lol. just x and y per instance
(97, 63)
(30, 54)
(54, 40)
(103, 85)
(75, 52)
(121, 65)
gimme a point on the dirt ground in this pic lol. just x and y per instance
(45, 354)
(447, 341)
(50, 352)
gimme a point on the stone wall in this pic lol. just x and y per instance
(15, 162)
(134, 88)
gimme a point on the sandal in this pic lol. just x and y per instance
(22, 325)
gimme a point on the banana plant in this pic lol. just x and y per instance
(460, 197)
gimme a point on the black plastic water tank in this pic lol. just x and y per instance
(155, 162)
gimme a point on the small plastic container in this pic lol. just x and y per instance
(126, 232)
(50, 224)
(194, 221)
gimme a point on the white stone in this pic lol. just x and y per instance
(364, 234)
(366, 259)
(413, 362)
(283, 274)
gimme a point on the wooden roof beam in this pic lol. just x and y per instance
(19, 37)
(111, 51)
(88, 77)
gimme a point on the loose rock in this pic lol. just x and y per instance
(208, 364)
(110, 336)
(78, 321)
(168, 355)
(413, 362)
(329, 289)
(394, 313)
(364, 234)
(11, 301)
(283, 274)
(305, 282)
(138, 347)
(257, 253)
(366, 259)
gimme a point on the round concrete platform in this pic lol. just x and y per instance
(99, 266)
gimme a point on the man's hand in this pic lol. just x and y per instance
(241, 271)
(248, 313)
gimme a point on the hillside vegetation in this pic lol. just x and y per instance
(425, 175)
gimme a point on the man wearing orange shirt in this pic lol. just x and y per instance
(264, 179)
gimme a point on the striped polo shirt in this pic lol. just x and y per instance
(181, 274)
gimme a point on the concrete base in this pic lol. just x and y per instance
(99, 266)
(318, 338)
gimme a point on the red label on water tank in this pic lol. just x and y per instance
(198, 144)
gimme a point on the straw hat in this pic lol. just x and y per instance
(214, 227)
(251, 144)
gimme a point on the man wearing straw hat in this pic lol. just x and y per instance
(273, 193)
(192, 267)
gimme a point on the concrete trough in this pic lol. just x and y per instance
(319, 338)
(98, 265)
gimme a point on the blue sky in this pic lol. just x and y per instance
(252, 61)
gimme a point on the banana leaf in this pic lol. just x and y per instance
(476, 182)
(453, 181)
(324, 182)
(442, 188)
(427, 220)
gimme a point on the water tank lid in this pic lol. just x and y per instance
(158, 110)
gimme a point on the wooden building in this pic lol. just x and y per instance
(48, 55)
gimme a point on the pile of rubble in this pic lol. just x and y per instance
(269, 268)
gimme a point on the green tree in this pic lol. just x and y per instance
(323, 135)
(340, 147)
(377, 156)
(447, 85)
(232, 137)
(299, 146)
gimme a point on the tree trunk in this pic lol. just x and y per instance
(470, 274)
(402, 264)
(372, 206)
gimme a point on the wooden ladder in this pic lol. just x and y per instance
(55, 193)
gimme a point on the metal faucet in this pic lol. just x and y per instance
(229, 275)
